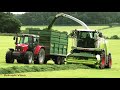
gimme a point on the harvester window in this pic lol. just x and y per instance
(85, 39)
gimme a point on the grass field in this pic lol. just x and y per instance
(8, 42)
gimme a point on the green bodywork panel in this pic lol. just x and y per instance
(88, 49)
(55, 42)
(83, 54)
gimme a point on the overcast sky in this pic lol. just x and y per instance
(17, 12)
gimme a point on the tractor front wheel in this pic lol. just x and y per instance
(9, 58)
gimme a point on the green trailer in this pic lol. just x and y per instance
(54, 42)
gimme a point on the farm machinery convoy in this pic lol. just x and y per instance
(39, 46)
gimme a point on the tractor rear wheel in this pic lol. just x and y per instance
(28, 57)
(102, 61)
(41, 57)
(9, 58)
(109, 61)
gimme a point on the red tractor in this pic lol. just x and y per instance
(27, 48)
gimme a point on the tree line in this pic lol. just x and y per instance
(10, 23)
(90, 18)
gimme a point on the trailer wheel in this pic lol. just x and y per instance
(59, 60)
(41, 57)
(109, 61)
(28, 57)
(102, 61)
(62, 60)
(9, 58)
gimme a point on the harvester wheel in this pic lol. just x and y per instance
(9, 58)
(41, 57)
(102, 61)
(109, 61)
(28, 57)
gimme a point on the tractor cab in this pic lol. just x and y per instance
(26, 42)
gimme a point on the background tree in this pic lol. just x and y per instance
(8, 23)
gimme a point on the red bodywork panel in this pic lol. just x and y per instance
(23, 46)
(37, 49)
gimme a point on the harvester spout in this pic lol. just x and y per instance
(70, 17)
(77, 20)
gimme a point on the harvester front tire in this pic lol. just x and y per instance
(28, 57)
(9, 58)
(109, 61)
(102, 62)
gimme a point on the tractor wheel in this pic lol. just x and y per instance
(109, 61)
(28, 57)
(102, 61)
(19, 61)
(9, 58)
(41, 57)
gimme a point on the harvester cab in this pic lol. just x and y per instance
(85, 38)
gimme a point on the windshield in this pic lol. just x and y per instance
(25, 40)
(86, 34)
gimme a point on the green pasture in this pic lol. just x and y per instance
(8, 42)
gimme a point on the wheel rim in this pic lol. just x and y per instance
(41, 56)
(30, 58)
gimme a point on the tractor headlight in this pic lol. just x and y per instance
(18, 48)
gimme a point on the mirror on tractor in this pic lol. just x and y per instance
(14, 38)
(16, 42)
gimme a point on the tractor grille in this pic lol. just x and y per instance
(18, 48)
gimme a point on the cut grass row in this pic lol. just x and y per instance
(41, 68)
